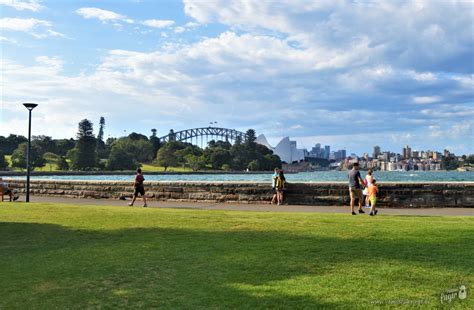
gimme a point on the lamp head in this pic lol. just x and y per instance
(30, 106)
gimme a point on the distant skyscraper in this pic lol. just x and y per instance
(406, 152)
(376, 151)
(327, 151)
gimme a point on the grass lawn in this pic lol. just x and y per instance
(156, 168)
(63, 256)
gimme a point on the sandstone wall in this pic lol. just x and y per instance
(391, 194)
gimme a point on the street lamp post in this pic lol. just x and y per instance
(30, 107)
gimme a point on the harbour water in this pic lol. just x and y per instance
(318, 176)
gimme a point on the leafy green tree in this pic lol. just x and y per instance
(141, 150)
(195, 162)
(63, 164)
(51, 159)
(86, 153)
(120, 159)
(3, 162)
(45, 144)
(64, 145)
(11, 143)
(449, 163)
(137, 136)
(254, 165)
(166, 157)
(19, 157)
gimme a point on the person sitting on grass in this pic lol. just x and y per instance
(7, 191)
(139, 188)
(373, 197)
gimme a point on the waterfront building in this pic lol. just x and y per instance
(376, 151)
(286, 149)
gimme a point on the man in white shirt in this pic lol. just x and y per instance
(7, 191)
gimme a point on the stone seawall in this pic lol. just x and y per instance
(402, 195)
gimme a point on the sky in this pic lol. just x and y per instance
(350, 74)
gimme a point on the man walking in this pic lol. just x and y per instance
(355, 189)
(139, 188)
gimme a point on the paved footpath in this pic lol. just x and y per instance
(252, 207)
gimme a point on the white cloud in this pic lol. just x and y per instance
(102, 15)
(8, 40)
(22, 24)
(158, 23)
(32, 5)
(36, 27)
(426, 99)
(179, 29)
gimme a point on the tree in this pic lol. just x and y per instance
(51, 159)
(100, 135)
(101, 148)
(11, 143)
(3, 162)
(195, 162)
(141, 150)
(166, 157)
(86, 153)
(64, 145)
(137, 136)
(45, 144)
(63, 164)
(155, 142)
(120, 159)
(253, 165)
(19, 157)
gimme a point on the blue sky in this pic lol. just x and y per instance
(351, 74)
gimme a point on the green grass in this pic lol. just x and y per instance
(64, 256)
(156, 168)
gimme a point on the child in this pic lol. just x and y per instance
(373, 197)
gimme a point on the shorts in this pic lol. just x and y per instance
(139, 190)
(373, 201)
(355, 193)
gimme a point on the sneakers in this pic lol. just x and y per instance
(371, 214)
(361, 211)
(130, 204)
(145, 206)
(376, 211)
(353, 213)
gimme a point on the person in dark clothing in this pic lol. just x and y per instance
(139, 188)
(355, 188)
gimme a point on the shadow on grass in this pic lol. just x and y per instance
(53, 266)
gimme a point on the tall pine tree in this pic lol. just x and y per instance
(85, 157)
(101, 148)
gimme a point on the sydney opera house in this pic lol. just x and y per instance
(286, 149)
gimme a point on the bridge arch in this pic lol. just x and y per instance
(188, 135)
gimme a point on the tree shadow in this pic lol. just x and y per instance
(185, 268)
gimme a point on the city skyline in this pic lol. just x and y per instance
(346, 74)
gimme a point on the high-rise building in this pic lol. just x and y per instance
(376, 151)
(327, 151)
(406, 152)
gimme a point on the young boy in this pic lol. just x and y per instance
(373, 197)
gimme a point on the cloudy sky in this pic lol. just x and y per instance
(351, 74)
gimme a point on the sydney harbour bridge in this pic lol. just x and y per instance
(201, 136)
